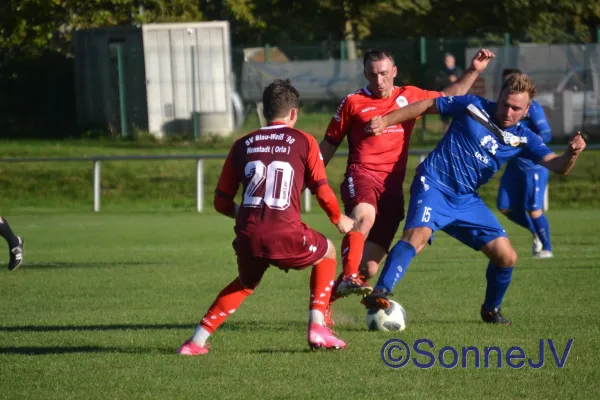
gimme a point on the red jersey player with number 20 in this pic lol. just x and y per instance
(273, 164)
(372, 189)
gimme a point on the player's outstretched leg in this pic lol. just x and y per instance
(230, 298)
(542, 228)
(396, 264)
(15, 245)
(319, 336)
(351, 282)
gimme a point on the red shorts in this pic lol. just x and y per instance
(255, 253)
(382, 192)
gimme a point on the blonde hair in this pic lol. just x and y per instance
(519, 83)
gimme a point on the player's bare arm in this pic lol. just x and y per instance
(464, 83)
(377, 125)
(327, 151)
(564, 163)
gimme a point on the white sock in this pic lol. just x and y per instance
(317, 317)
(200, 336)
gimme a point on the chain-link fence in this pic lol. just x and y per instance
(324, 74)
(419, 60)
(566, 75)
(567, 79)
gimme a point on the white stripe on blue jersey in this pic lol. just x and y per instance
(471, 152)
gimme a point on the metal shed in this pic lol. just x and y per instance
(163, 78)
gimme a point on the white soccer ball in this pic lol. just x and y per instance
(393, 319)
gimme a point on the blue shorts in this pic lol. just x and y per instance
(522, 190)
(466, 218)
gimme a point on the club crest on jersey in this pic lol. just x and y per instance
(489, 143)
(514, 140)
(401, 101)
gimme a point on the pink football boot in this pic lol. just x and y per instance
(321, 337)
(190, 348)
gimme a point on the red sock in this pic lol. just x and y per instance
(352, 249)
(334, 295)
(224, 305)
(321, 280)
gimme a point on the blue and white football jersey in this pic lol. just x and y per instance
(474, 147)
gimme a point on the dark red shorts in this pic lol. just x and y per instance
(286, 250)
(385, 194)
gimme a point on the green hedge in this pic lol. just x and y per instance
(171, 185)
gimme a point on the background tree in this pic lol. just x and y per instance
(36, 71)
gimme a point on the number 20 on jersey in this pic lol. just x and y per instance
(277, 178)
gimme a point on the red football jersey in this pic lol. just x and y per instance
(272, 164)
(376, 153)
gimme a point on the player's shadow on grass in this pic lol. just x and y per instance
(238, 326)
(542, 264)
(457, 322)
(38, 351)
(283, 351)
(109, 327)
(280, 326)
(52, 265)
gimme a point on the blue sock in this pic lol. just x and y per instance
(396, 264)
(498, 279)
(542, 228)
(523, 219)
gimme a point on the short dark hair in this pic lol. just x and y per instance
(509, 71)
(279, 98)
(377, 54)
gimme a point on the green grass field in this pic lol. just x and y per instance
(102, 302)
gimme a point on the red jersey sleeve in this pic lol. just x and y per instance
(227, 187)
(329, 203)
(339, 125)
(316, 181)
(315, 175)
(418, 94)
